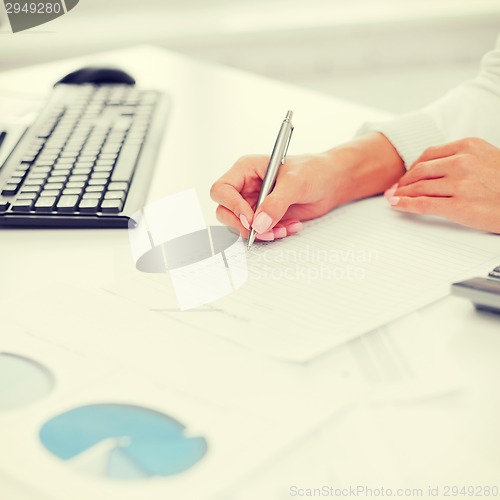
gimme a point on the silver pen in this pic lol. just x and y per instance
(277, 159)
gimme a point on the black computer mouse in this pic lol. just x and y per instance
(98, 76)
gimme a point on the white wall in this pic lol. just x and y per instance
(395, 54)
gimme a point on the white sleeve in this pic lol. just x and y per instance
(470, 110)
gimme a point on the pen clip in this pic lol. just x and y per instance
(287, 144)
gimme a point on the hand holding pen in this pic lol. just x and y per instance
(276, 160)
(306, 186)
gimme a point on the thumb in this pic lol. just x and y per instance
(274, 207)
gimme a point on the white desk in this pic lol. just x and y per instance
(219, 114)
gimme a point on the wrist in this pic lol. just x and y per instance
(363, 167)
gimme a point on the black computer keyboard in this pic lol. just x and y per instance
(87, 160)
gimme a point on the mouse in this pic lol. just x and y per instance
(97, 76)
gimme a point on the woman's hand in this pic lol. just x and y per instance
(307, 186)
(303, 190)
(459, 180)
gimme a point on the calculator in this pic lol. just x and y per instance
(483, 292)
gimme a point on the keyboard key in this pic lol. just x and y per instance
(92, 196)
(34, 182)
(10, 189)
(81, 171)
(73, 184)
(22, 167)
(89, 205)
(31, 189)
(118, 186)
(56, 179)
(46, 158)
(64, 163)
(95, 189)
(22, 205)
(50, 192)
(55, 185)
(4, 204)
(29, 158)
(84, 164)
(72, 191)
(72, 150)
(40, 168)
(27, 196)
(67, 203)
(108, 156)
(44, 163)
(111, 206)
(98, 182)
(78, 178)
(17, 177)
(124, 168)
(106, 163)
(111, 148)
(122, 123)
(100, 175)
(62, 171)
(68, 155)
(103, 168)
(86, 158)
(45, 203)
(115, 195)
(39, 175)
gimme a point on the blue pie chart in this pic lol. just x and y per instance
(122, 442)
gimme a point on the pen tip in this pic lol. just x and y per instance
(251, 239)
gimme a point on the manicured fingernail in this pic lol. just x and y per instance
(244, 222)
(262, 223)
(394, 200)
(269, 236)
(279, 232)
(295, 227)
(390, 191)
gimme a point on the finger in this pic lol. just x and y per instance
(230, 198)
(445, 150)
(238, 188)
(228, 218)
(424, 205)
(433, 187)
(432, 169)
(286, 228)
(292, 225)
(279, 231)
(245, 169)
(285, 193)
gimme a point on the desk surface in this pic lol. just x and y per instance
(451, 440)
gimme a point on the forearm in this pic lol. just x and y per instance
(364, 167)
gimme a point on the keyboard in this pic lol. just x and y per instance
(87, 160)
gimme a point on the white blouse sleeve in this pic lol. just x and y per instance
(470, 110)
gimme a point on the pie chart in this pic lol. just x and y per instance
(122, 442)
(22, 381)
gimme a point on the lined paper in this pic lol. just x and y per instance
(359, 267)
